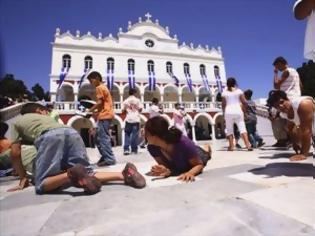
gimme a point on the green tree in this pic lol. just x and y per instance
(38, 91)
(11, 87)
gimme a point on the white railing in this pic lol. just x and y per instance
(10, 112)
(70, 107)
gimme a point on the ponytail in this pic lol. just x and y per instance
(173, 135)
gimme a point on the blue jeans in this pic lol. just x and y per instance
(103, 142)
(57, 150)
(131, 136)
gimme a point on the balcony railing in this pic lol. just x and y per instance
(70, 107)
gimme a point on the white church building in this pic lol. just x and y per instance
(144, 55)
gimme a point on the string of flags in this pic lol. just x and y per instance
(110, 78)
(62, 76)
(131, 79)
(152, 81)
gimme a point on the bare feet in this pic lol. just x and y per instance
(298, 157)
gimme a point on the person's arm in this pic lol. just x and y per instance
(305, 112)
(196, 169)
(98, 106)
(18, 166)
(303, 8)
(160, 169)
(278, 81)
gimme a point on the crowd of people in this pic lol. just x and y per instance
(53, 156)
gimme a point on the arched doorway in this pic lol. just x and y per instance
(87, 91)
(188, 96)
(86, 129)
(65, 93)
(126, 92)
(219, 126)
(115, 93)
(204, 95)
(203, 129)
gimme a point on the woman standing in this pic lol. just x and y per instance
(232, 100)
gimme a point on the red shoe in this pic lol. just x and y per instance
(132, 177)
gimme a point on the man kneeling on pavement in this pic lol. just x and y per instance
(300, 113)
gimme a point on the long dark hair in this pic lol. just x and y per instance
(158, 126)
(231, 82)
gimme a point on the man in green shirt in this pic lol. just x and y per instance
(61, 155)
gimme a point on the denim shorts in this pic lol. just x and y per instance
(57, 150)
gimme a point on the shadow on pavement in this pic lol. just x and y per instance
(278, 155)
(285, 169)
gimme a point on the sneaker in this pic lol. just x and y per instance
(134, 152)
(260, 143)
(132, 177)
(126, 152)
(238, 146)
(80, 178)
(102, 162)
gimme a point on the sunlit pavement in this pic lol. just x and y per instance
(239, 193)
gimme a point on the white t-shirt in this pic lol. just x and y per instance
(133, 106)
(154, 111)
(309, 42)
(292, 84)
(233, 103)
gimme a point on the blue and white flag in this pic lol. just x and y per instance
(110, 79)
(131, 79)
(152, 81)
(205, 82)
(176, 80)
(189, 82)
(63, 75)
(86, 71)
(219, 83)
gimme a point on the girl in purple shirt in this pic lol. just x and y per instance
(175, 153)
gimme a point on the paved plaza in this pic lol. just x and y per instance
(239, 193)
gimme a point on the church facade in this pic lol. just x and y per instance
(144, 56)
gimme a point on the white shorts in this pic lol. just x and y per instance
(238, 119)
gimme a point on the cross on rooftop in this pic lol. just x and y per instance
(148, 16)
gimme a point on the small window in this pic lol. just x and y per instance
(88, 63)
(216, 71)
(110, 64)
(66, 61)
(150, 66)
(169, 67)
(131, 65)
(186, 69)
(202, 69)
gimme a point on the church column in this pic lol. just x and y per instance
(121, 96)
(193, 133)
(142, 97)
(213, 132)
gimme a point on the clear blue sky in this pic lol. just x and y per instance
(251, 32)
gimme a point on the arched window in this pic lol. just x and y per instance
(169, 67)
(66, 61)
(216, 71)
(110, 64)
(202, 69)
(88, 63)
(131, 65)
(186, 69)
(150, 66)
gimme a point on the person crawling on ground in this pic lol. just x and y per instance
(174, 152)
(61, 158)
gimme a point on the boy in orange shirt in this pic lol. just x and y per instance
(105, 110)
